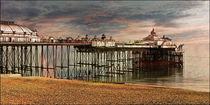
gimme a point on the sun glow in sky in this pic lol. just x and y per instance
(183, 21)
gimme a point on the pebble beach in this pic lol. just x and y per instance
(40, 90)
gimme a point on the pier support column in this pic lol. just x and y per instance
(68, 51)
(1, 59)
(6, 66)
(18, 59)
(55, 62)
(36, 61)
(61, 62)
(21, 59)
(47, 62)
(42, 58)
(12, 59)
(25, 59)
(31, 60)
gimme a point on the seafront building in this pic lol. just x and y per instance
(155, 39)
(11, 32)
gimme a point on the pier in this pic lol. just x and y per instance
(82, 60)
(23, 51)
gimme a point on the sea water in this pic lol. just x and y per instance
(193, 76)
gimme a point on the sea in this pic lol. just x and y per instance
(194, 75)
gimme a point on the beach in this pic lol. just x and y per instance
(40, 90)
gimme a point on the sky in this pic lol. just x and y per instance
(183, 21)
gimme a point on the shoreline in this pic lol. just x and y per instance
(40, 90)
(172, 87)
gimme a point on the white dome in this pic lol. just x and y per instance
(15, 29)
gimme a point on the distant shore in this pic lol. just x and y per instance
(38, 90)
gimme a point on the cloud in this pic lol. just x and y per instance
(127, 20)
(60, 13)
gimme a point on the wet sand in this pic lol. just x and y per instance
(36, 90)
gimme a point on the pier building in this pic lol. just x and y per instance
(11, 32)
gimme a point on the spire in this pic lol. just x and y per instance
(153, 32)
(103, 37)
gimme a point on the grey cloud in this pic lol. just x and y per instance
(163, 15)
(50, 7)
(187, 35)
(161, 18)
(31, 13)
(14, 13)
(60, 13)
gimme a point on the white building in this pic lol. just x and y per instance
(154, 39)
(11, 32)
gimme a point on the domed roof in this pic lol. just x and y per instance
(8, 27)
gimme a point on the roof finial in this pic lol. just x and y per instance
(153, 32)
